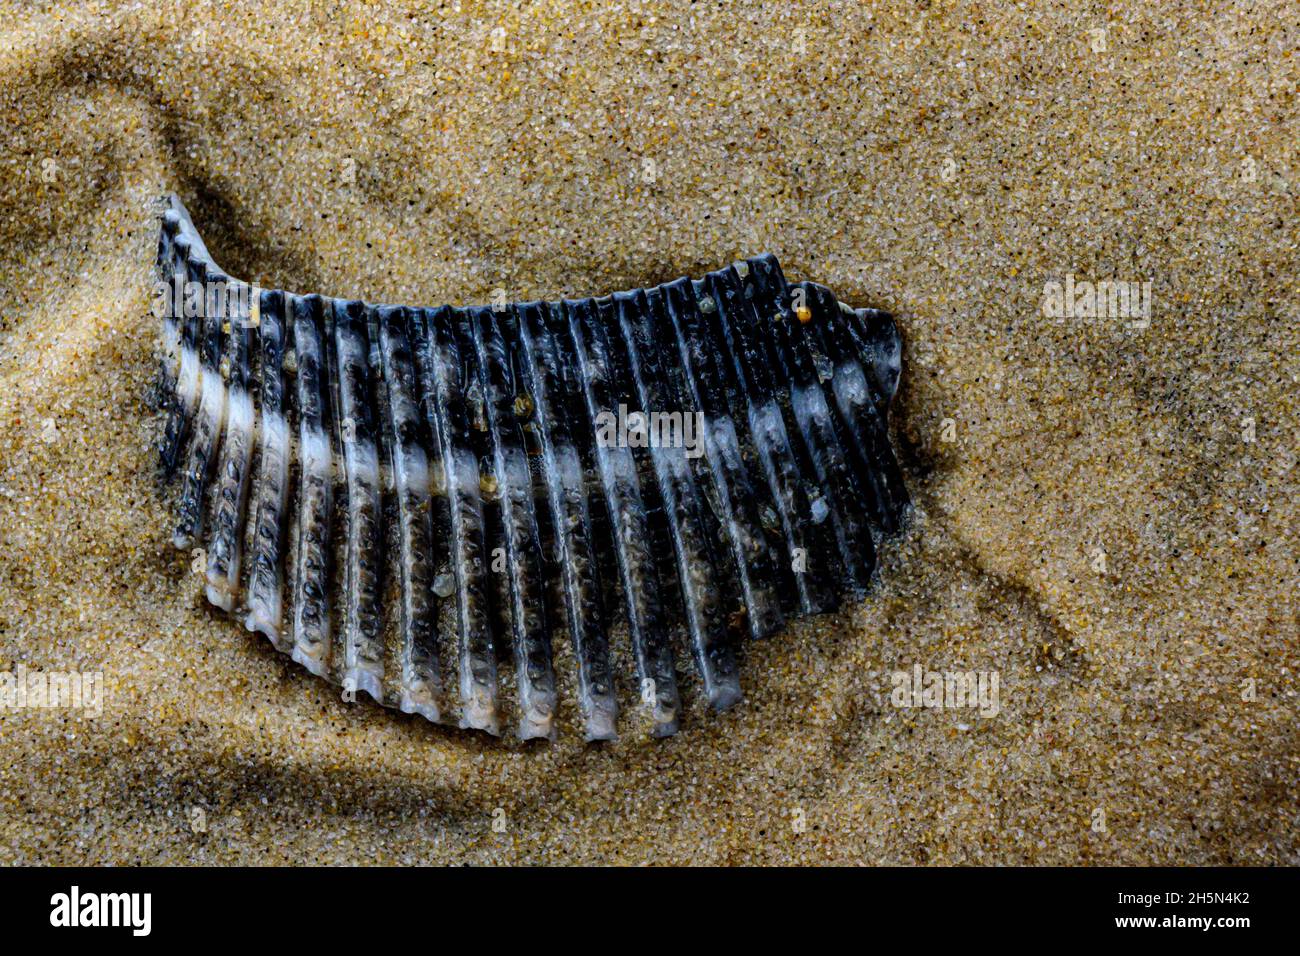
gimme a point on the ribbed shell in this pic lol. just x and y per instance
(406, 499)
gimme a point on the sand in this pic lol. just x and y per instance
(1106, 515)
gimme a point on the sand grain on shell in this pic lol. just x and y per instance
(942, 162)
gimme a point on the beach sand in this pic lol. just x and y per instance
(1106, 514)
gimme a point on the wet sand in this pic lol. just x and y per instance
(1106, 514)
